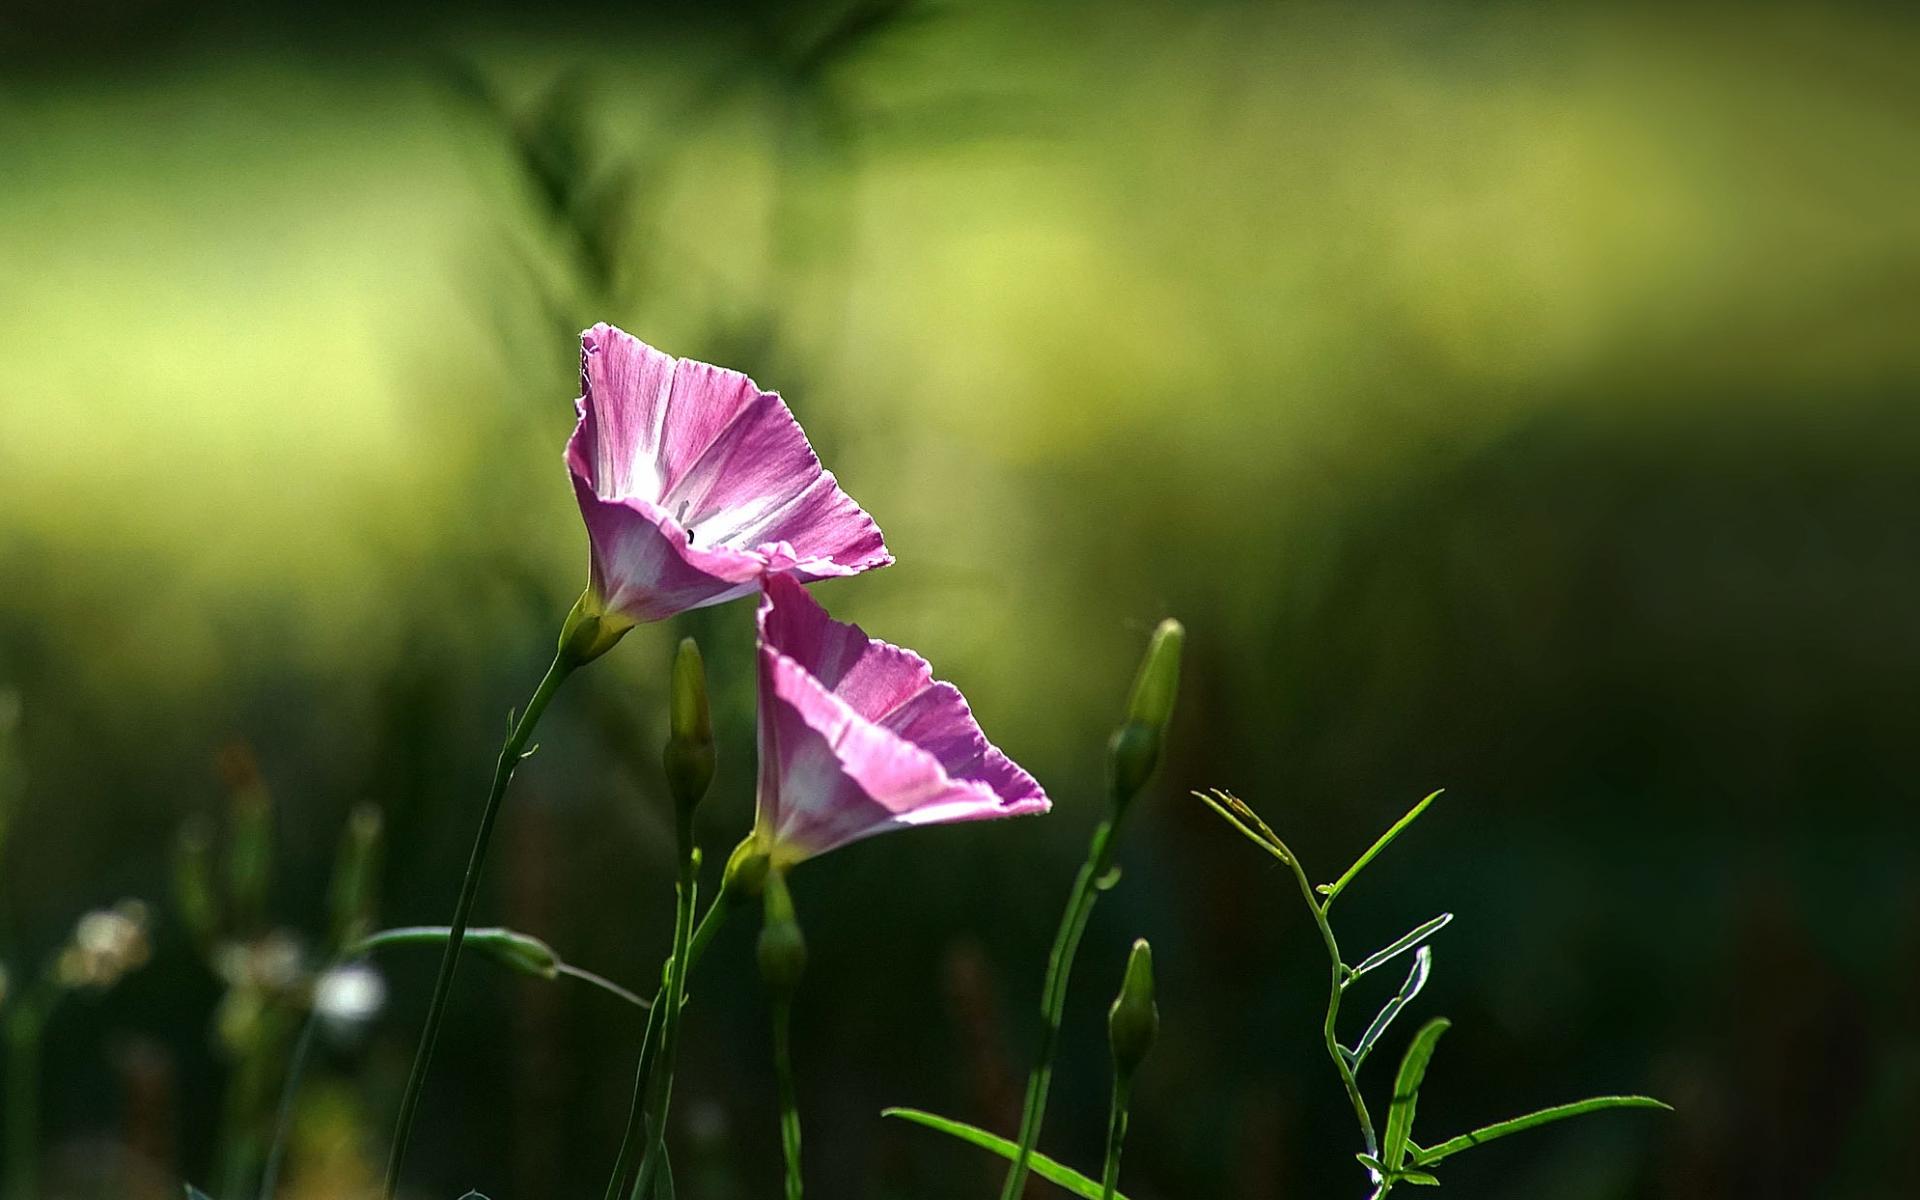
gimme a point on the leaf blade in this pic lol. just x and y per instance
(1386, 839)
(1058, 1174)
(1239, 814)
(1406, 941)
(1406, 1092)
(1532, 1120)
(1415, 981)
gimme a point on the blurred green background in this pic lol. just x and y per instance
(1517, 399)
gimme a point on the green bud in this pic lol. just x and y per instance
(782, 949)
(355, 876)
(746, 872)
(1134, 750)
(689, 754)
(1158, 682)
(590, 630)
(1134, 1020)
(249, 836)
(516, 951)
(193, 881)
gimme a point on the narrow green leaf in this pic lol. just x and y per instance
(1372, 1164)
(1545, 1116)
(1416, 979)
(1235, 812)
(1406, 1092)
(1380, 958)
(1386, 839)
(1419, 1177)
(1063, 1177)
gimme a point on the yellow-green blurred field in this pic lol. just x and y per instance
(1515, 398)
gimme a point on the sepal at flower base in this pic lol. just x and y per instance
(590, 630)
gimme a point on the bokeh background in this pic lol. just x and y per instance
(1517, 399)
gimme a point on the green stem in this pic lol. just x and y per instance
(789, 1103)
(413, 935)
(510, 752)
(1053, 999)
(650, 1049)
(660, 1080)
(1335, 989)
(25, 1025)
(1116, 1135)
(283, 1119)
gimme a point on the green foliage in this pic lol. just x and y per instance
(1545, 1116)
(1046, 1168)
(1398, 1158)
(1413, 938)
(1406, 1092)
(1416, 980)
(1332, 890)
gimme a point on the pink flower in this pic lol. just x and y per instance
(695, 484)
(857, 737)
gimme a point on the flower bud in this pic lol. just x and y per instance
(1134, 1020)
(746, 872)
(1134, 750)
(689, 755)
(782, 949)
(590, 630)
(249, 835)
(355, 874)
(193, 881)
(516, 951)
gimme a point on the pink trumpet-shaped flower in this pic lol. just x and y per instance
(857, 737)
(695, 484)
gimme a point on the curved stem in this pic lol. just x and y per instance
(789, 1104)
(1335, 989)
(1116, 1135)
(283, 1119)
(650, 1048)
(510, 753)
(1053, 999)
(603, 983)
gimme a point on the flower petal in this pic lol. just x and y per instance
(857, 737)
(694, 483)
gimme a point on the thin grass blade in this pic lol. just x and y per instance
(1063, 1177)
(1546, 1116)
(1406, 1092)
